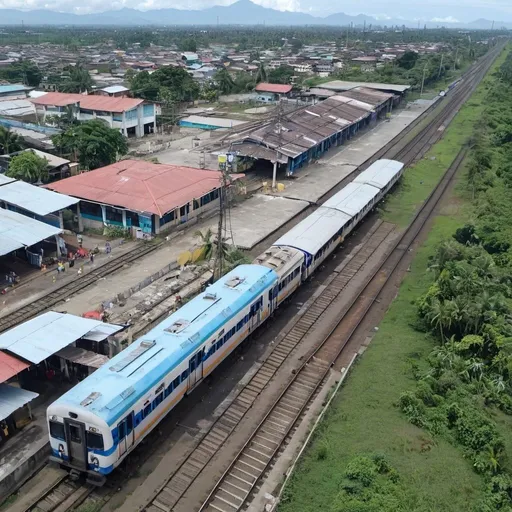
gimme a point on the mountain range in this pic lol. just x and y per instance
(242, 12)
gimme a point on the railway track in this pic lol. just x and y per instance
(69, 289)
(271, 433)
(64, 495)
(236, 485)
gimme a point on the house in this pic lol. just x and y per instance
(14, 92)
(190, 58)
(152, 198)
(272, 92)
(114, 91)
(367, 64)
(133, 117)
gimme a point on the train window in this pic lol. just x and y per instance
(159, 399)
(94, 441)
(219, 344)
(57, 430)
(239, 325)
(122, 430)
(176, 382)
(184, 375)
(147, 410)
(74, 433)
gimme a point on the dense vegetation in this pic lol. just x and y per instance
(423, 422)
(468, 309)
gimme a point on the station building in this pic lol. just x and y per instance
(150, 198)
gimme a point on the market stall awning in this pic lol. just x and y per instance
(44, 335)
(12, 398)
(83, 357)
(10, 366)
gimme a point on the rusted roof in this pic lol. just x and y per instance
(10, 366)
(89, 102)
(141, 186)
(275, 88)
(371, 96)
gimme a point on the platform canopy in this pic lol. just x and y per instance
(18, 231)
(83, 357)
(44, 335)
(12, 398)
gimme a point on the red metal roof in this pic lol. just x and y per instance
(10, 366)
(275, 88)
(141, 186)
(90, 101)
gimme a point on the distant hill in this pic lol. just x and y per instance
(243, 12)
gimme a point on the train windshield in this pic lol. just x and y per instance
(57, 430)
(94, 441)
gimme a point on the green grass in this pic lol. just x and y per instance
(363, 419)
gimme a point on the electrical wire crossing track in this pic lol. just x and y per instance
(69, 289)
(238, 482)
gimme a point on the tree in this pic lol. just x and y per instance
(29, 167)
(24, 71)
(189, 45)
(281, 75)
(206, 240)
(408, 60)
(178, 81)
(144, 86)
(297, 44)
(9, 141)
(79, 80)
(261, 75)
(224, 81)
(93, 143)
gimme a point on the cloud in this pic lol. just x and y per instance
(448, 19)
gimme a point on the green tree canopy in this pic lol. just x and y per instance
(23, 71)
(224, 81)
(189, 45)
(79, 80)
(93, 143)
(281, 75)
(29, 167)
(9, 141)
(408, 60)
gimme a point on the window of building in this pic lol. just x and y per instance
(131, 114)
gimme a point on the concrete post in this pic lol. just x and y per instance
(157, 224)
(58, 246)
(274, 176)
(80, 220)
(124, 218)
(61, 220)
(104, 214)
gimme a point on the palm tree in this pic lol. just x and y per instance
(79, 80)
(206, 240)
(224, 81)
(10, 142)
(261, 75)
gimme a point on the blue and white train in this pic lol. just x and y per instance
(95, 425)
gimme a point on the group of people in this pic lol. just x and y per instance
(12, 278)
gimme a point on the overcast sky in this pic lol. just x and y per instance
(437, 10)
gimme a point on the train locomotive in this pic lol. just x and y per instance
(96, 424)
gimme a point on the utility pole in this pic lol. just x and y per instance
(440, 66)
(455, 61)
(279, 129)
(492, 28)
(346, 46)
(364, 28)
(219, 253)
(423, 80)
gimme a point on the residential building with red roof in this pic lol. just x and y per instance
(140, 194)
(269, 93)
(133, 117)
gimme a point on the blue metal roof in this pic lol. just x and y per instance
(42, 336)
(12, 398)
(130, 374)
(13, 88)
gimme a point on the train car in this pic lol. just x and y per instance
(355, 200)
(288, 264)
(102, 419)
(382, 174)
(316, 237)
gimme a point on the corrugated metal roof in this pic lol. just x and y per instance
(342, 85)
(5, 179)
(315, 230)
(102, 332)
(10, 366)
(380, 173)
(53, 160)
(89, 101)
(34, 199)
(82, 356)
(352, 198)
(115, 88)
(43, 336)
(4, 89)
(213, 121)
(141, 186)
(17, 231)
(275, 88)
(12, 398)
(16, 107)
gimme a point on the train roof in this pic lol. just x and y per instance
(352, 198)
(315, 230)
(128, 376)
(380, 173)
